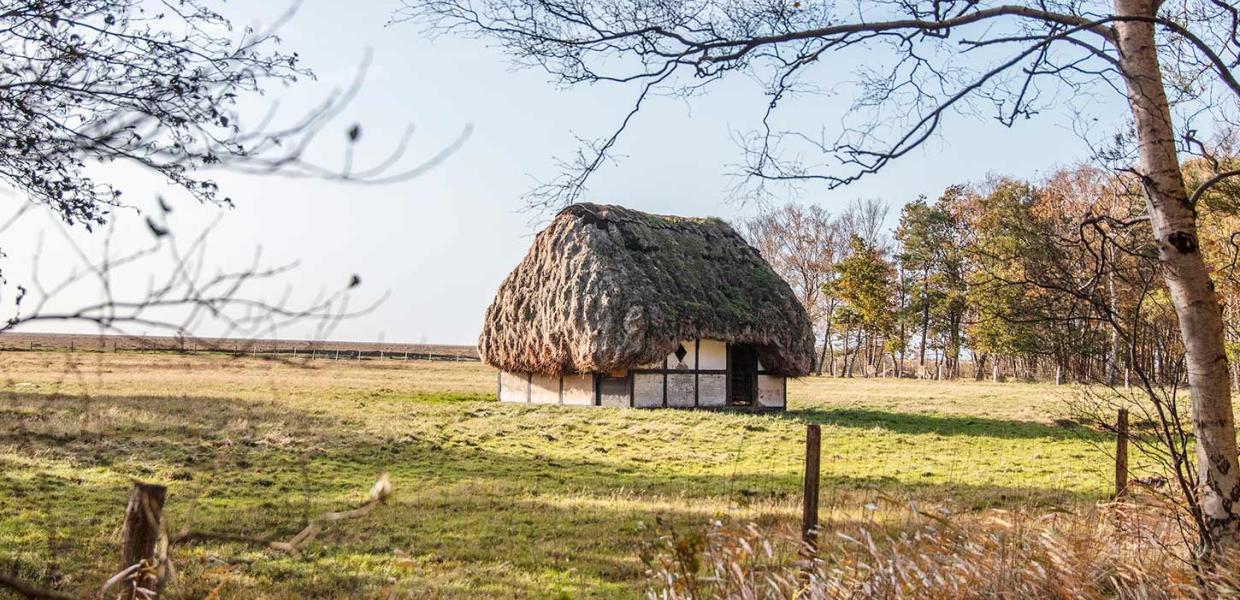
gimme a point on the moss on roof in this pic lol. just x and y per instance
(606, 287)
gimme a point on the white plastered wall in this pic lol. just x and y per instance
(676, 364)
(579, 390)
(712, 389)
(771, 391)
(544, 389)
(647, 390)
(683, 390)
(513, 387)
(687, 389)
(680, 390)
(713, 355)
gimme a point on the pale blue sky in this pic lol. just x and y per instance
(439, 245)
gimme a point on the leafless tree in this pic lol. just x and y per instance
(1173, 62)
(183, 290)
(801, 243)
(160, 85)
(157, 84)
(867, 218)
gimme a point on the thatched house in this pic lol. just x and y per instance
(616, 307)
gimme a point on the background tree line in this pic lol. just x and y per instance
(1053, 279)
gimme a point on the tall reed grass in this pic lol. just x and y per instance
(1113, 550)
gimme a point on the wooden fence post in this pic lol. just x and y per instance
(809, 512)
(140, 535)
(1121, 453)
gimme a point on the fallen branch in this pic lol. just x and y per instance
(204, 536)
(119, 577)
(28, 590)
(378, 493)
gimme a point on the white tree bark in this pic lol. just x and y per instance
(1188, 281)
(1113, 353)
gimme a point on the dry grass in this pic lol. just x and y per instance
(489, 499)
(1113, 550)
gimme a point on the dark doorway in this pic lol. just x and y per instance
(742, 375)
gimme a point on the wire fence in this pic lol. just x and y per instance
(293, 349)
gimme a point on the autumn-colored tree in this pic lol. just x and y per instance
(864, 287)
(932, 255)
(997, 221)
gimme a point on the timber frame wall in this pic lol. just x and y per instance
(664, 371)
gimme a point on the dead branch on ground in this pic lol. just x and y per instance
(378, 494)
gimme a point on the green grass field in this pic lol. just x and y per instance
(490, 499)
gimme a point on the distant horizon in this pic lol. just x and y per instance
(19, 333)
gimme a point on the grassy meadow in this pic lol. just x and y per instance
(489, 499)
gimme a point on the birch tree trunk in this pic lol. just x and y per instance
(822, 357)
(829, 348)
(1113, 354)
(843, 371)
(925, 316)
(1188, 281)
(852, 358)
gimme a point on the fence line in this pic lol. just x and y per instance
(253, 348)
